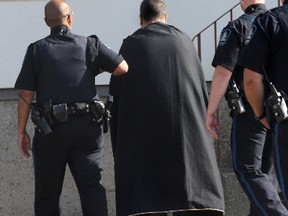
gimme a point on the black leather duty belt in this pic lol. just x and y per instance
(78, 108)
(71, 109)
(58, 113)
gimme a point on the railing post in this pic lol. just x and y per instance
(215, 36)
(199, 47)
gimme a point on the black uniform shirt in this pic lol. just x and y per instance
(268, 47)
(62, 67)
(232, 39)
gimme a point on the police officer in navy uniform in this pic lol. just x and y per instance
(265, 58)
(61, 69)
(252, 160)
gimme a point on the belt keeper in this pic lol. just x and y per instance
(87, 108)
(82, 108)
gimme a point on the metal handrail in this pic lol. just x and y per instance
(198, 36)
(231, 17)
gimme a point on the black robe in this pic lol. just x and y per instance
(164, 157)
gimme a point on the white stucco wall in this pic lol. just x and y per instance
(112, 20)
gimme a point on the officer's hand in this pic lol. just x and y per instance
(212, 126)
(265, 123)
(24, 144)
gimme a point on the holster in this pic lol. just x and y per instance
(107, 115)
(97, 109)
(39, 119)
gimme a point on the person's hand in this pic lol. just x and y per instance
(24, 144)
(212, 126)
(265, 123)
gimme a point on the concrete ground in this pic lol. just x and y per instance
(17, 183)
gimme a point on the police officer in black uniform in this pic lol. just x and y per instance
(265, 58)
(252, 160)
(61, 69)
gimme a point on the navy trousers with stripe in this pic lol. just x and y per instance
(281, 155)
(252, 156)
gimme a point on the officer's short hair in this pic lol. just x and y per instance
(152, 9)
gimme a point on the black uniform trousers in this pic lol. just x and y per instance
(78, 143)
(252, 156)
(281, 155)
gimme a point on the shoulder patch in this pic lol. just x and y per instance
(250, 34)
(225, 34)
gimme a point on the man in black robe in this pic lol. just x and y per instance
(164, 157)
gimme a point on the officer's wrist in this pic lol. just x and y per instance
(262, 116)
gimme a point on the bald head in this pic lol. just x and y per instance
(246, 3)
(58, 12)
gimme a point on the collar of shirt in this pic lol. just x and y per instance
(62, 30)
(255, 7)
